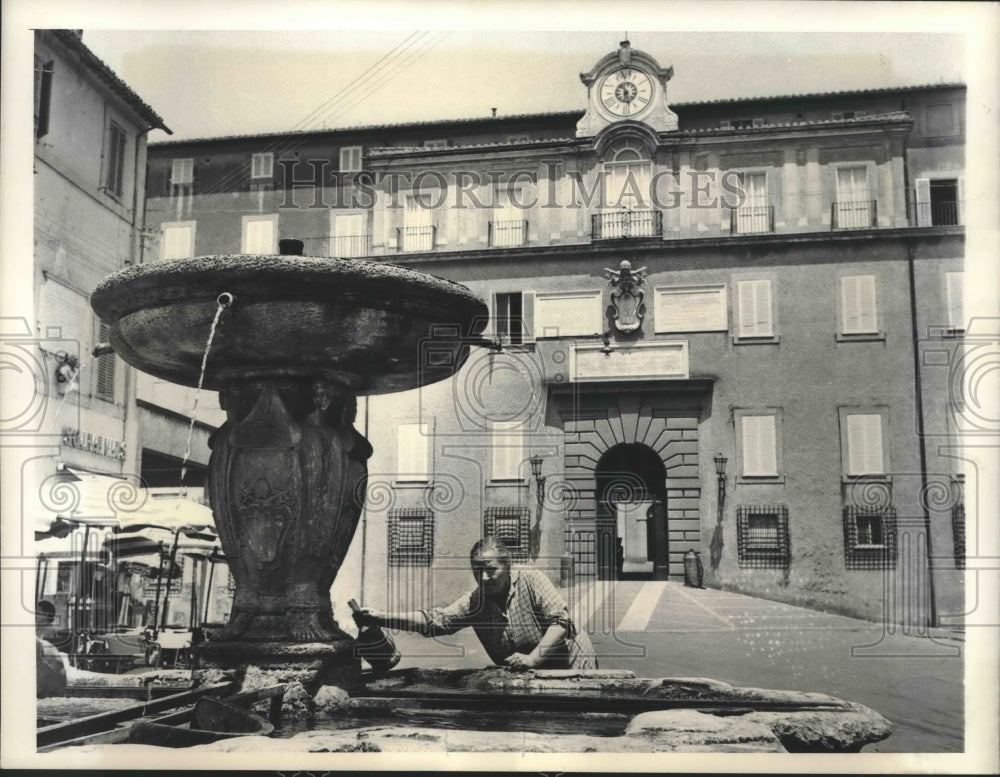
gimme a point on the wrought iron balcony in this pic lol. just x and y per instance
(615, 225)
(350, 246)
(936, 214)
(508, 233)
(858, 214)
(751, 219)
(420, 238)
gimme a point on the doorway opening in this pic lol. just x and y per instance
(632, 537)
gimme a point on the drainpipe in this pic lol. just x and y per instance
(922, 442)
(364, 515)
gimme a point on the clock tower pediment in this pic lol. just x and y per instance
(626, 85)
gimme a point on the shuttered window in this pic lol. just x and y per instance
(43, 96)
(181, 171)
(755, 309)
(177, 241)
(262, 166)
(350, 159)
(115, 178)
(507, 447)
(954, 288)
(413, 458)
(858, 308)
(760, 454)
(104, 387)
(259, 235)
(864, 444)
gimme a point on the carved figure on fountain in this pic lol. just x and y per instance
(286, 478)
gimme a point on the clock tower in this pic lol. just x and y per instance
(626, 85)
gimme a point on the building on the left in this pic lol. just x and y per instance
(87, 467)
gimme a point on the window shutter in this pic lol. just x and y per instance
(755, 308)
(259, 237)
(955, 291)
(858, 304)
(864, 444)
(43, 96)
(961, 200)
(413, 444)
(528, 316)
(507, 447)
(177, 243)
(490, 332)
(759, 441)
(105, 386)
(922, 189)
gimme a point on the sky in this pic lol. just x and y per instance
(207, 83)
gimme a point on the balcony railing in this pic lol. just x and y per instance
(936, 214)
(508, 233)
(416, 238)
(859, 214)
(626, 224)
(350, 246)
(751, 219)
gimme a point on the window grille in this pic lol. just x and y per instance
(958, 533)
(870, 537)
(411, 537)
(762, 537)
(509, 524)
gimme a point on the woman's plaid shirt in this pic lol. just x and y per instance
(533, 605)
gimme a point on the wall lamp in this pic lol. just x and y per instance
(606, 350)
(720, 473)
(536, 470)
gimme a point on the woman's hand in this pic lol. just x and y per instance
(522, 661)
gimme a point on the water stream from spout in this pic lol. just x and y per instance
(224, 300)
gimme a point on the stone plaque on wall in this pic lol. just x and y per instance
(642, 361)
(691, 309)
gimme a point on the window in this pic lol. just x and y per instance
(262, 166)
(413, 460)
(418, 231)
(114, 180)
(411, 537)
(260, 234)
(853, 207)
(177, 240)
(762, 537)
(759, 444)
(43, 96)
(955, 294)
(568, 314)
(870, 537)
(858, 308)
(754, 299)
(512, 317)
(508, 226)
(941, 120)
(938, 202)
(626, 196)
(507, 449)
(511, 526)
(863, 437)
(181, 171)
(350, 236)
(104, 386)
(755, 215)
(350, 159)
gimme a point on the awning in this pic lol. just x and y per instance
(71, 546)
(87, 499)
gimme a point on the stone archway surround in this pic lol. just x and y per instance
(594, 426)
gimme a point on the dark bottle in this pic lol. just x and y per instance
(374, 645)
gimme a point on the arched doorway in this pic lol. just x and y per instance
(631, 514)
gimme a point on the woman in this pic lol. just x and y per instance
(518, 615)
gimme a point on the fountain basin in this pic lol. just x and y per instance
(371, 327)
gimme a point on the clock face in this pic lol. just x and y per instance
(626, 92)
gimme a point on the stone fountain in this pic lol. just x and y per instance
(289, 342)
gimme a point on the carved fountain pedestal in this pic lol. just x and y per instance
(294, 341)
